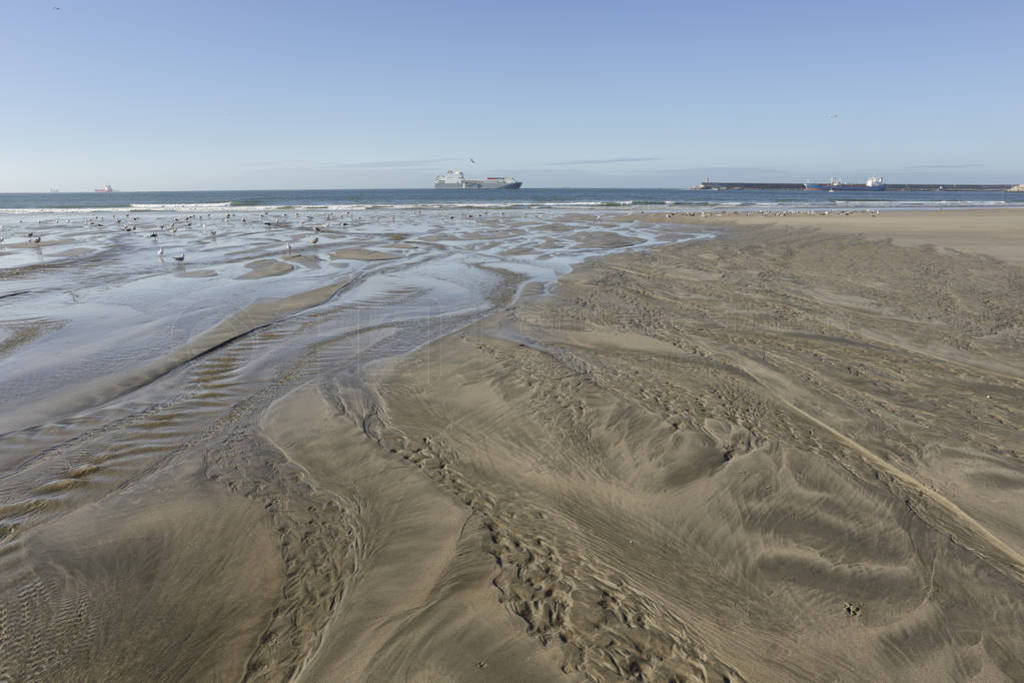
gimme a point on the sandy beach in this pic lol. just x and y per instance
(993, 232)
(790, 451)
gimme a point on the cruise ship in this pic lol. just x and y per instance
(455, 180)
(872, 183)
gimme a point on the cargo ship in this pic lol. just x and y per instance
(455, 180)
(872, 183)
(105, 188)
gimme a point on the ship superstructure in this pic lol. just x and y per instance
(456, 180)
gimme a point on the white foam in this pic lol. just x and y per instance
(183, 208)
(542, 207)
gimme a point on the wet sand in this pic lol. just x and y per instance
(993, 232)
(780, 454)
(362, 255)
(158, 522)
(791, 452)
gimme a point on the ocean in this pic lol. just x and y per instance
(524, 198)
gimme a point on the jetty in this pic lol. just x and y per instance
(707, 184)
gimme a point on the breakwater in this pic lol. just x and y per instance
(891, 187)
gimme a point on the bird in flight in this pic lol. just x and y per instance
(471, 160)
(833, 116)
(57, 8)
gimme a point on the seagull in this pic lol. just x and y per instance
(833, 116)
(160, 251)
(314, 240)
(471, 160)
(35, 240)
(180, 257)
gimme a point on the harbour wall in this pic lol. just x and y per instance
(898, 187)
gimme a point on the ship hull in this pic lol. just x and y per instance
(828, 187)
(470, 184)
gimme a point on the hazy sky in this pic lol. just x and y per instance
(326, 94)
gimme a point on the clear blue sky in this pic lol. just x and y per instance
(322, 94)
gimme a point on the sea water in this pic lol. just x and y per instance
(522, 198)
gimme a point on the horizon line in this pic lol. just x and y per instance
(423, 188)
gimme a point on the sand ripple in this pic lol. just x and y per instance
(776, 455)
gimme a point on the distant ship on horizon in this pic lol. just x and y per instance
(872, 183)
(455, 180)
(105, 188)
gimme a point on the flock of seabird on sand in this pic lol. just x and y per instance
(130, 224)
